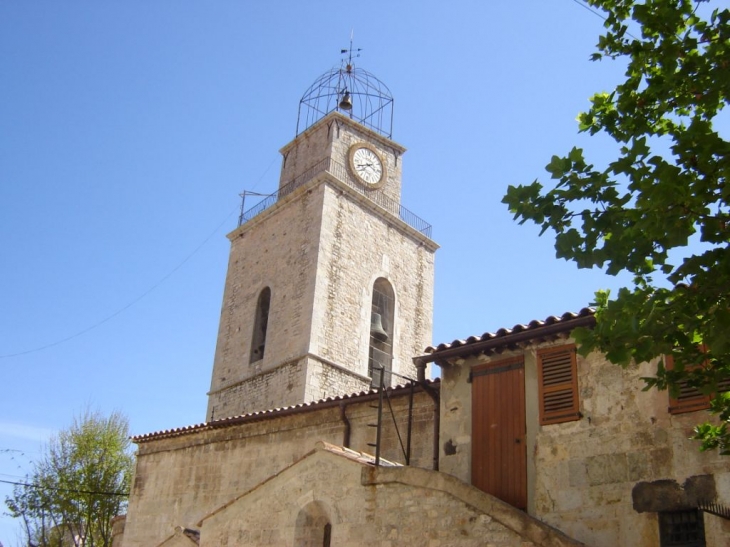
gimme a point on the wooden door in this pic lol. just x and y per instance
(499, 455)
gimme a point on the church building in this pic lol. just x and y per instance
(322, 428)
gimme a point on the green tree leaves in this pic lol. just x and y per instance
(666, 188)
(79, 485)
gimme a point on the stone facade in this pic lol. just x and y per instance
(183, 475)
(330, 140)
(281, 459)
(319, 250)
(359, 246)
(603, 478)
(363, 505)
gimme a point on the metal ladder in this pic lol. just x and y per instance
(383, 395)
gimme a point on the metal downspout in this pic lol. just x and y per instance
(346, 432)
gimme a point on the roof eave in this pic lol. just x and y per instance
(445, 356)
(329, 402)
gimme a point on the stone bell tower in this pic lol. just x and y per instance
(330, 279)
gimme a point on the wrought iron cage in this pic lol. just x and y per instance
(352, 91)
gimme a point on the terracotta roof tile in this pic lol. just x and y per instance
(269, 414)
(535, 327)
(354, 455)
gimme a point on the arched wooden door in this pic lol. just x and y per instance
(499, 455)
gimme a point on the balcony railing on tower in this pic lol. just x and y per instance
(338, 171)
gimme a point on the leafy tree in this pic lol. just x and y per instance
(79, 485)
(660, 209)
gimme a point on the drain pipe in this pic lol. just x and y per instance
(434, 394)
(346, 432)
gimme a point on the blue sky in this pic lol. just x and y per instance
(128, 129)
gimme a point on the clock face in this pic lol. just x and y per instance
(366, 165)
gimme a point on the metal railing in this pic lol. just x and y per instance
(716, 509)
(338, 171)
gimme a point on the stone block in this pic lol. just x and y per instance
(661, 461)
(577, 473)
(607, 469)
(570, 499)
(640, 467)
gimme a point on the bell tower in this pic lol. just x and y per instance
(330, 279)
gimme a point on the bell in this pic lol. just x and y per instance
(346, 102)
(376, 327)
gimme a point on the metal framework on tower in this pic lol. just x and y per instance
(352, 91)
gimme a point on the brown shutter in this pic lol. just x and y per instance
(689, 398)
(558, 385)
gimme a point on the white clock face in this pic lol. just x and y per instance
(367, 165)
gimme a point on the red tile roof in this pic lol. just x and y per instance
(534, 331)
(274, 413)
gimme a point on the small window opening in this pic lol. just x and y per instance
(261, 321)
(313, 527)
(681, 529)
(380, 356)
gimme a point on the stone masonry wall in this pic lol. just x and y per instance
(332, 137)
(588, 470)
(326, 380)
(319, 250)
(293, 508)
(181, 479)
(278, 249)
(590, 478)
(304, 152)
(280, 387)
(391, 153)
(303, 380)
(333, 249)
(359, 246)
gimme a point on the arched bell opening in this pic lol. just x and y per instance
(380, 352)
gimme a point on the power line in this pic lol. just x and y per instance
(586, 6)
(11, 476)
(132, 303)
(67, 490)
(148, 291)
(264, 174)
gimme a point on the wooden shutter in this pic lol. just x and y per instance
(558, 385)
(690, 398)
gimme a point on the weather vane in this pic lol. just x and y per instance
(350, 51)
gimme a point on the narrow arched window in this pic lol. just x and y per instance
(313, 528)
(261, 321)
(380, 358)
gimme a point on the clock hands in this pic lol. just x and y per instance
(367, 171)
(366, 164)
